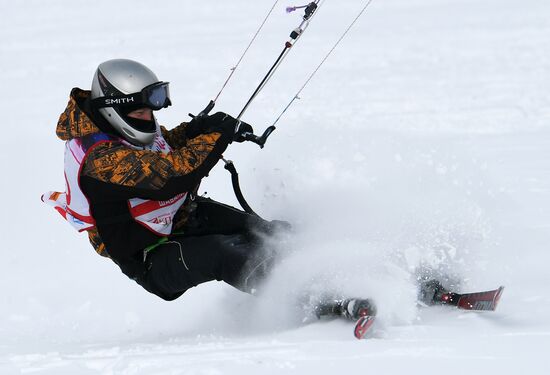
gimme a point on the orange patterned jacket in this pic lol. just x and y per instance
(113, 173)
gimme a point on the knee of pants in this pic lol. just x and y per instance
(256, 271)
(220, 257)
(168, 275)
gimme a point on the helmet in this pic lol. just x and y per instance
(121, 86)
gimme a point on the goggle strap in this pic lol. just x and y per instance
(138, 98)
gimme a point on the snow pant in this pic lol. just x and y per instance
(219, 242)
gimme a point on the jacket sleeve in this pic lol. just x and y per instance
(176, 137)
(153, 175)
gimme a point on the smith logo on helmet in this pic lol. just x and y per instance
(110, 102)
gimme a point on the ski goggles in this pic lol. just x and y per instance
(155, 96)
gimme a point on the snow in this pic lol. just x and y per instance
(424, 140)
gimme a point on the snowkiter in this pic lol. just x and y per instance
(131, 186)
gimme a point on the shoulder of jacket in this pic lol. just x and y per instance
(104, 148)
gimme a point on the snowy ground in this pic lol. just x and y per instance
(425, 139)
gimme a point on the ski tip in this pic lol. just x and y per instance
(480, 301)
(497, 297)
(362, 326)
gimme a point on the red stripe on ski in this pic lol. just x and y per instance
(362, 326)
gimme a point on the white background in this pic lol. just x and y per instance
(424, 140)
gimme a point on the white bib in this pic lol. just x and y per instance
(74, 206)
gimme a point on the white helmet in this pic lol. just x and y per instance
(121, 86)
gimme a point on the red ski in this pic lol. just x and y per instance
(481, 301)
(360, 310)
(362, 326)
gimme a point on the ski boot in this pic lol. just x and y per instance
(431, 292)
(360, 310)
(354, 308)
(350, 308)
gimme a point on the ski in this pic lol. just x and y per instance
(480, 301)
(362, 326)
(362, 311)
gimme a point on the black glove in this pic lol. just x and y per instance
(242, 128)
(201, 125)
(221, 122)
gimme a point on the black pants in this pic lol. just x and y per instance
(219, 243)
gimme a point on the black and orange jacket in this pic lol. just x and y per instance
(112, 173)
